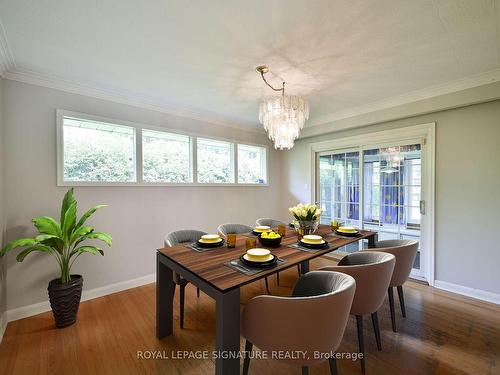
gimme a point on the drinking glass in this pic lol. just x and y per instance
(231, 240)
(251, 243)
(281, 230)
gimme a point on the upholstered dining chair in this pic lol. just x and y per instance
(225, 229)
(302, 322)
(176, 238)
(372, 271)
(273, 223)
(405, 252)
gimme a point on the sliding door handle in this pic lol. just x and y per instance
(422, 207)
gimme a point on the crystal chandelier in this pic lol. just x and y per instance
(393, 158)
(283, 117)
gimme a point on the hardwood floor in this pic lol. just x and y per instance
(443, 334)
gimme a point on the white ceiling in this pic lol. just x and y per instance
(199, 56)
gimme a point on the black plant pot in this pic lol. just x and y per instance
(65, 300)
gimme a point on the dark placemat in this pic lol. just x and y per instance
(298, 246)
(344, 237)
(238, 265)
(194, 246)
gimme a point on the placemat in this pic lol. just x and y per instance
(238, 265)
(297, 246)
(345, 237)
(194, 246)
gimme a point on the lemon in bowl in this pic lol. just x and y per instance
(270, 239)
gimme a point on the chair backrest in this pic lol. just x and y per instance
(180, 236)
(372, 271)
(273, 223)
(224, 229)
(308, 322)
(405, 252)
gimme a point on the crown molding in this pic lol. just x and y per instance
(6, 57)
(411, 97)
(48, 81)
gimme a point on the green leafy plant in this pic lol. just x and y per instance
(63, 240)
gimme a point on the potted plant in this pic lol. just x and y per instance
(64, 241)
(307, 218)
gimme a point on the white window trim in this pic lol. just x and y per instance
(424, 134)
(61, 113)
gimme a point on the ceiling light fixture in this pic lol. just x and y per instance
(283, 117)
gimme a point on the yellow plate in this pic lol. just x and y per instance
(262, 228)
(258, 259)
(347, 230)
(210, 241)
(313, 243)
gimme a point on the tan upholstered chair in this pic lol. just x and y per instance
(405, 252)
(173, 239)
(227, 228)
(302, 322)
(372, 271)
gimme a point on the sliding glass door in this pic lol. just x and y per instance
(374, 188)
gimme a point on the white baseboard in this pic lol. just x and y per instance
(38, 308)
(469, 292)
(3, 325)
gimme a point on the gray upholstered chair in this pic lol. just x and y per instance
(173, 239)
(372, 271)
(405, 252)
(227, 228)
(302, 322)
(273, 223)
(224, 229)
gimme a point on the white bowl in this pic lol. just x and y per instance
(258, 255)
(312, 239)
(262, 228)
(210, 238)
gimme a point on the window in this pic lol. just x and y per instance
(166, 157)
(215, 161)
(96, 151)
(251, 164)
(339, 187)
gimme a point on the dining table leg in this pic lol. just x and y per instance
(372, 240)
(227, 333)
(304, 267)
(164, 299)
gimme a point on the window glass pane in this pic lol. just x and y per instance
(166, 157)
(97, 151)
(251, 164)
(215, 161)
(339, 186)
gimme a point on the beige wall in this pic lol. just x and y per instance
(137, 217)
(467, 189)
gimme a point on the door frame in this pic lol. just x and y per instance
(424, 134)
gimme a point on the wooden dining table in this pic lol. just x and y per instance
(207, 271)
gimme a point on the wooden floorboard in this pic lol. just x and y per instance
(443, 333)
